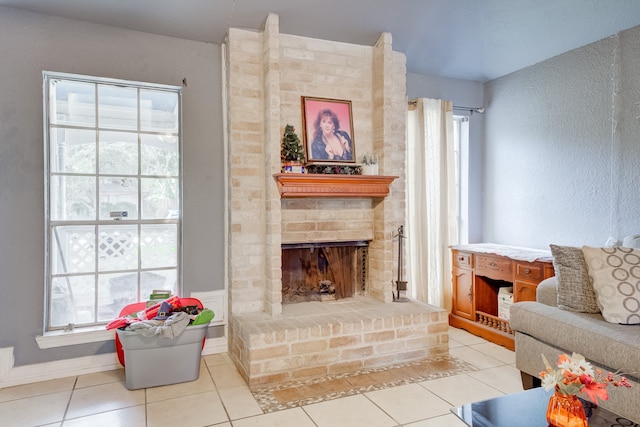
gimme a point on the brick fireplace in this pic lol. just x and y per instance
(267, 73)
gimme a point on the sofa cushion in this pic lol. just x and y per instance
(547, 291)
(575, 291)
(615, 273)
(607, 344)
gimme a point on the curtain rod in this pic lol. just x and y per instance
(472, 110)
(479, 110)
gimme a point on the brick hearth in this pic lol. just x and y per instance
(323, 338)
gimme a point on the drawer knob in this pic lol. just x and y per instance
(460, 258)
(527, 271)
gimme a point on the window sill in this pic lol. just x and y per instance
(75, 337)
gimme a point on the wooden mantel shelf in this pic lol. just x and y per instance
(332, 185)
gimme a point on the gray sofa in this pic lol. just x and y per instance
(542, 328)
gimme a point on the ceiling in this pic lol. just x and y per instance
(467, 39)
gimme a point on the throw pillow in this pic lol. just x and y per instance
(615, 273)
(575, 291)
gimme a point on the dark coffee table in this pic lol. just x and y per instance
(528, 409)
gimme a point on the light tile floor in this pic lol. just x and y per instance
(221, 398)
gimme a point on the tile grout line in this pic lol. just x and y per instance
(66, 409)
(226, 411)
(335, 391)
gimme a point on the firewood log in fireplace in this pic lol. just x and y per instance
(341, 263)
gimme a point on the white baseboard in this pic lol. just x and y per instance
(6, 361)
(17, 375)
(215, 346)
(59, 369)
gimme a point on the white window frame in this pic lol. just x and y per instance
(54, 337)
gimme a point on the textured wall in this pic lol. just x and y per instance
(31, 43)
(562, 148)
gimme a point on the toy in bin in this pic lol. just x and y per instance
(164, 311)
(151, 360)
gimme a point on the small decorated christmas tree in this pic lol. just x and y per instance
(292, 150)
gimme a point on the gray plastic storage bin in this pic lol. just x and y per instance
(155, 361)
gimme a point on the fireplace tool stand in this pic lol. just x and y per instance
(401, 285)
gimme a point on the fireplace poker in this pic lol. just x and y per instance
(401, 285)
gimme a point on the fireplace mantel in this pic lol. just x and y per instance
(332, 185)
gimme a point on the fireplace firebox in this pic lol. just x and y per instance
(323, 271)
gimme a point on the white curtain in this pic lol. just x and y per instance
(431, 200)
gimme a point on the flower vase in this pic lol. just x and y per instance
(566, 411)
(370, 169)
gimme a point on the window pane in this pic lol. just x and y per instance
(159, 279)
(159, 245)
(73, 198)
(72, 300)
(73, 249)
(159, 197)
(72, 103)
(118, 194)
(117, 107)
(117, 247)
(160, 155)
(115, 291)
(118, 153)
(158, 111)
(73, 150)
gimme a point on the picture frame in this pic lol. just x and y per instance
(328, 130)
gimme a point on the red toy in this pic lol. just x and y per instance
(143, 313)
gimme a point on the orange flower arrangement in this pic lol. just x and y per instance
(576, 375)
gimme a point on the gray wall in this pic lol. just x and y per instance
(463, 93)
(31, 43)
(562, 148)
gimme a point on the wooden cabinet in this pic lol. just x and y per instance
(462, 281)
(524, 291)
(463, 293)
(497, 268)
(527, 275)
(477, 276)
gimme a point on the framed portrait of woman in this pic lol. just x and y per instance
(328, 130)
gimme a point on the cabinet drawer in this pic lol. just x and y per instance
(497, 268)
(529, 271)
(461, 259)
(524, 291)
